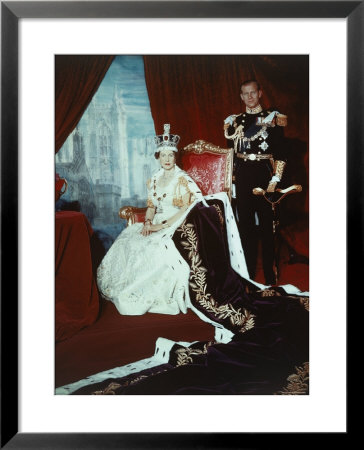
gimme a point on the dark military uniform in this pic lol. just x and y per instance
(257, 148)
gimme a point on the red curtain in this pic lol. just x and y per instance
(77, 298)
(77, 78)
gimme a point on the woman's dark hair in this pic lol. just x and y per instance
(176, 155)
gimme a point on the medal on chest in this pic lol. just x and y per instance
(256, 131)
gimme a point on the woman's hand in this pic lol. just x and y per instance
(147, 228)
(151, 228)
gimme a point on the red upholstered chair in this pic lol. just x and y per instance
(208, 165)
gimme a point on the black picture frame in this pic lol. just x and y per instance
(11, 12)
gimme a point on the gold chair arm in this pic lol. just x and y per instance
(129, 213)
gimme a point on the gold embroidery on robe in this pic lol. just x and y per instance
(305, 302)
(238, 317)
(298, 382)
(219, 212)
(268, 293)
(109, 390)
(184, 354)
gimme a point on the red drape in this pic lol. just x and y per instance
(77, 78)
(77, 298)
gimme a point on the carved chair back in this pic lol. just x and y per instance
(209, 166)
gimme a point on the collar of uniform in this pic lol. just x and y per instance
(255, 110)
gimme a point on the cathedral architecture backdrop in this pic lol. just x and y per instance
(108, 157)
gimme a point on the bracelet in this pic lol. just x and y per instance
(165, 224)
(147, 221)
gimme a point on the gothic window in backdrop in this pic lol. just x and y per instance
(110, 148)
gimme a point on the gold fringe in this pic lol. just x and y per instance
(177, 198)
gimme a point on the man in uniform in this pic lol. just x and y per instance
(259, 160)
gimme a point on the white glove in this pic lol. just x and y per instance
(275, 179)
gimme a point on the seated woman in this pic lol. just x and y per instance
(138, 274)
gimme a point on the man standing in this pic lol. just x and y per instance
(259, 161)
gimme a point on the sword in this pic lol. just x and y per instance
(274, 198)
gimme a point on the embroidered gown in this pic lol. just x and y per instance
(142, 274)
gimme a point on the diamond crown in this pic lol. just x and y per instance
(167, 140)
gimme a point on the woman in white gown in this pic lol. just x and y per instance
(143, 271)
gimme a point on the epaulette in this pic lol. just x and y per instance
(232, 117)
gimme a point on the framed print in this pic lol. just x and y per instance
(32, 34)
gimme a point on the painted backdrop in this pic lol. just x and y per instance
(108, 157)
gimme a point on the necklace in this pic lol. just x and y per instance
(160, 198)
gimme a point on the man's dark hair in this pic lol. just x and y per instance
(244, 83)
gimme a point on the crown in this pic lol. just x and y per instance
(167, 140)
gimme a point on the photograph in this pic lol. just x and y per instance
(181, 229)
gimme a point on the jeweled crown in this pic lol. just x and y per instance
(167, 140)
